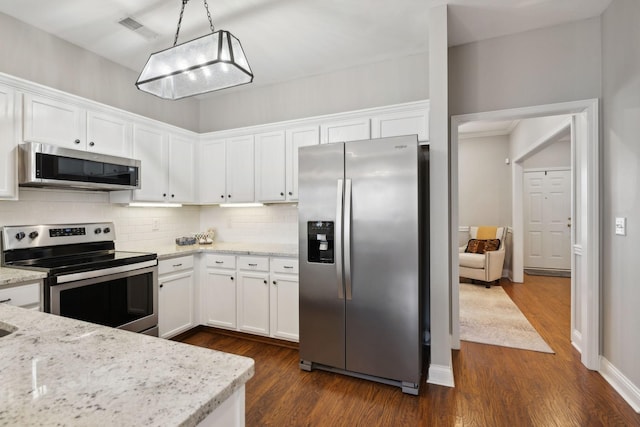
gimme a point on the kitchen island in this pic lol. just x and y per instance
(61, 371)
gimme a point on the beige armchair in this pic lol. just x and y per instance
(487, 266)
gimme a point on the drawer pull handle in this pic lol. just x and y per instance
(219, 262)
(253, 265)
(288, 266)
(177, 265)
(5, 300)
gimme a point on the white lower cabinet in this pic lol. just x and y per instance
(25, 295)
(252, 294)
(284, 299)
(176, 283)
(218, 291)
(253, 303)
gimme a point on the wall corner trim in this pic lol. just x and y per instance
(629, 391)
(441, 375)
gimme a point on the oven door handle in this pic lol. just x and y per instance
(66, 278)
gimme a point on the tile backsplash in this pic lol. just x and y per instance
(152, 226)
(267, 224)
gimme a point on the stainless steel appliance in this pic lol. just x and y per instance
(43, 165)
(363, 261)
(87, 279)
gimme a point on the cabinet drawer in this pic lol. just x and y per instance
(23, 295)
(175, 264)
(221, 261)
(253, 263)
(284, 265)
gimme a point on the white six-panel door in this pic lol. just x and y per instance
(547, 209)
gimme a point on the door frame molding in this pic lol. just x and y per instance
(585, 163)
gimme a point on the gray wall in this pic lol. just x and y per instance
(382, 83)
(34, 55)
(546, 66)
(555, 155)
(621, 185)
(484, 181)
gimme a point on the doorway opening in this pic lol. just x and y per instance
(582, 117)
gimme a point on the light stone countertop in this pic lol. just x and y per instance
(61, 371)
(10, 276)
(236, 248)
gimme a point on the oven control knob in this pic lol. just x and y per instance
(20, 235)
(33, 235)
(106, 230)
(97, 230)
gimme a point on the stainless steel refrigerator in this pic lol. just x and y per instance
(363, 264)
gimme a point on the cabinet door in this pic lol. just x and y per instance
(240, 169)
(295, 139)
(8, 144)
(346, 130)
(219, 299)
(53, 122)
(175, 304)
(149, 146)
(401, 123)
(212, 165)
(253, 303)
(182, 162)
(270, 167)
(108, 134)
(284, 307)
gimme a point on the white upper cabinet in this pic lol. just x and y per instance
(270, 167)
(149, 147)
(181, 173)
(108, 134)
(213, 171)
(59, 123)
(296, 138)
(345, 130)
(412, 122)
(8, 143)
(240, 169)
(167, 167)
(227, 170)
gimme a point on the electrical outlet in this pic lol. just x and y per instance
(621, 226)
(155, 224)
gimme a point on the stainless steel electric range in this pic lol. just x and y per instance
(87, 279)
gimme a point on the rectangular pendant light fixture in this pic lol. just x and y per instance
(211, 62)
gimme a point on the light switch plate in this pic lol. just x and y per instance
(621, 226)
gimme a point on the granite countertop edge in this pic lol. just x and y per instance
(10, 276)
(173, 251)
(45, 335)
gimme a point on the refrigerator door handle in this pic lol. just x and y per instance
(338, 238)
(347, 238)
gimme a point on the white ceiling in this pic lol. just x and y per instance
(289, 39)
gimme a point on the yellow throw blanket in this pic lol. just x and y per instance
(486, 232)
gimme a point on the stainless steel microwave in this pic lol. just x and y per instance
(44, 165)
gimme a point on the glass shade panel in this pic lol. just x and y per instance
(212, 62)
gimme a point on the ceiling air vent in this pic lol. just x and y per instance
(137, 28)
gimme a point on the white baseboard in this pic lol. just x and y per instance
(629, 391)
(441, 375)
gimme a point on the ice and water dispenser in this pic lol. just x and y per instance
(320, 241)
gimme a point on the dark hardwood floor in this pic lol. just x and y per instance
(495, 386)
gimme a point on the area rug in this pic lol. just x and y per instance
(489, 316)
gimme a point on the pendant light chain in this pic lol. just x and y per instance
(206, 6)
(184, 3)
